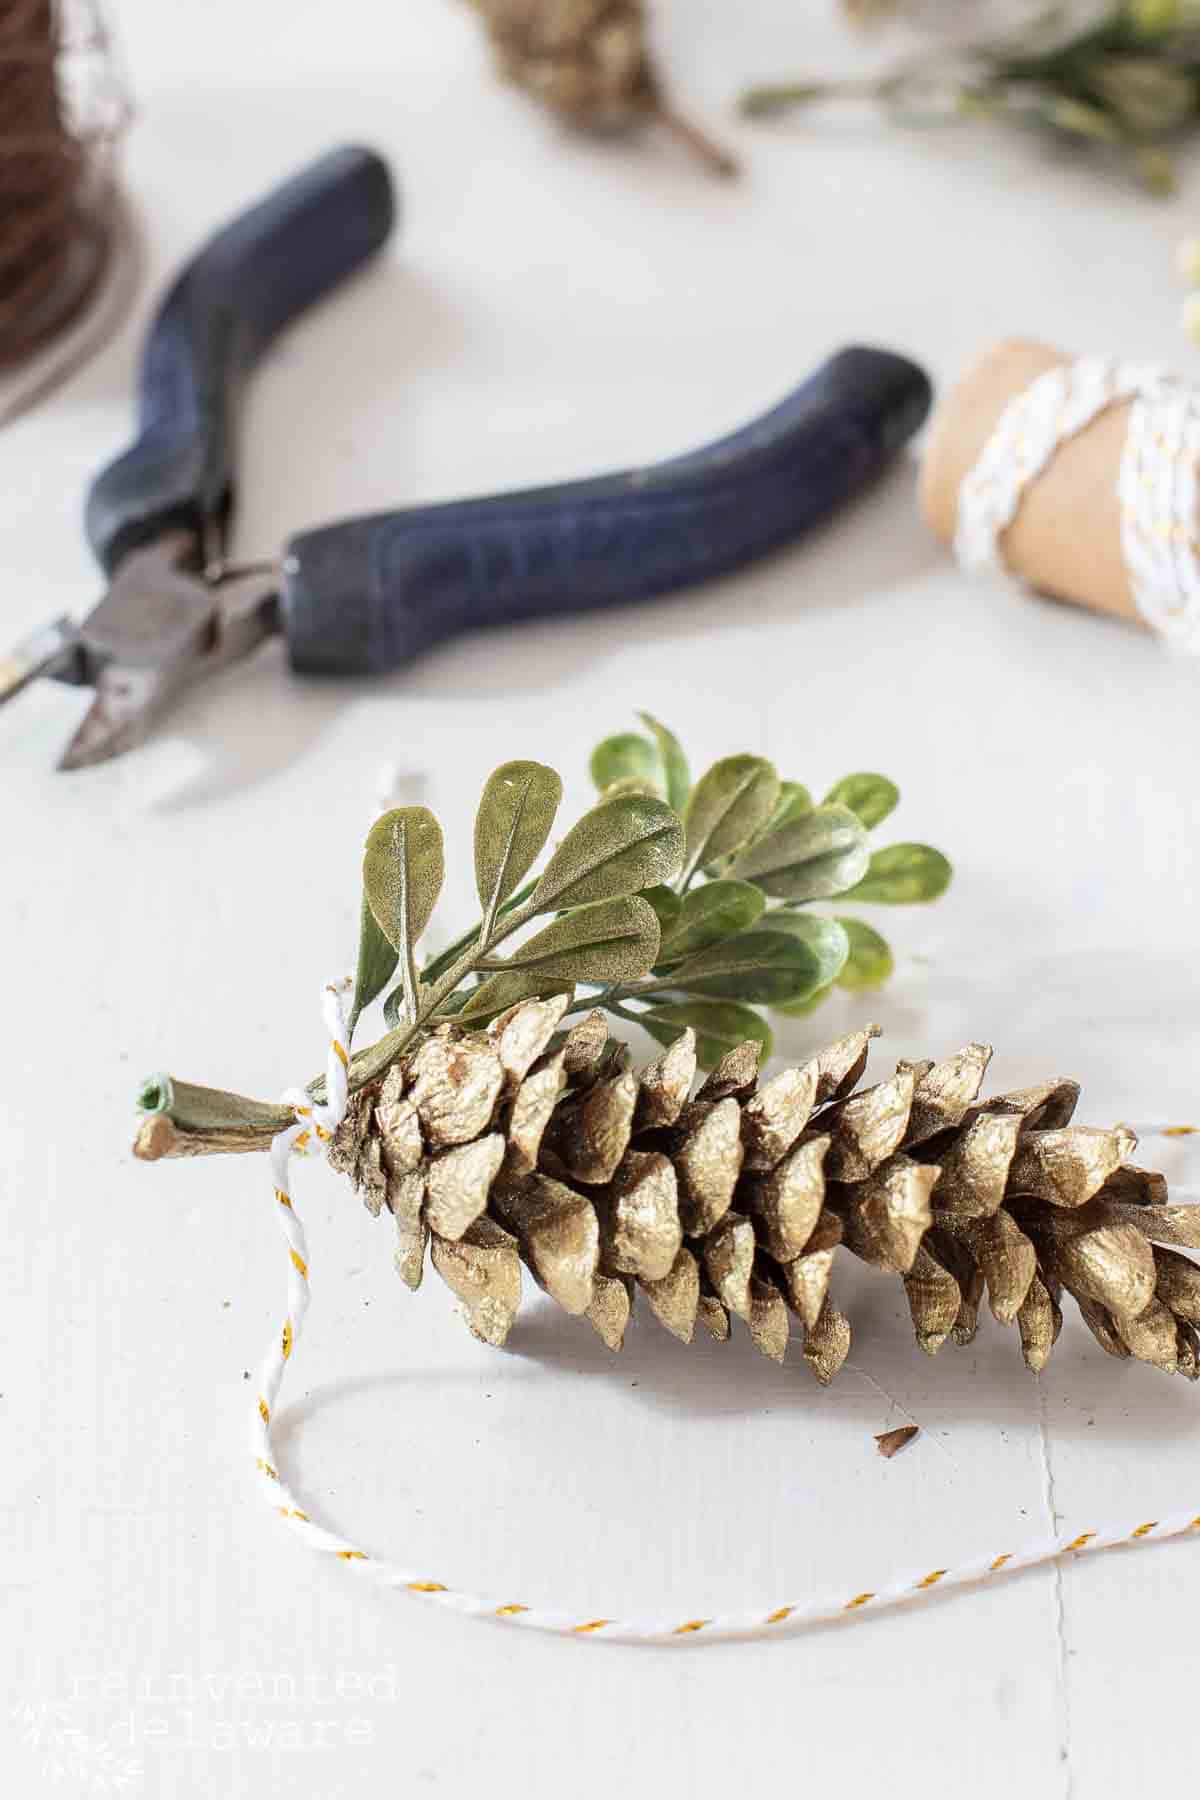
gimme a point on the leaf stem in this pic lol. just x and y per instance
(445, 958)
(610, 999)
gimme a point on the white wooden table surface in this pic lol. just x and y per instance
(552, 308)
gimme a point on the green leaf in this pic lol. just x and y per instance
(627, 843)
(828, 939)
(514, 819)
(728, 806)
(403, 869)
(674, 762)
(800, 1009)
(612, 940)
(794, 801)
(767, 967)
(377, 960)
(667, 906)
(493, 997)
(717, 910)
(811, 858)
(870, 962)
(627, 756)
(720, 1025)
(872, 797)
(903, 875)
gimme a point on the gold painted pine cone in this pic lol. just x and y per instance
(528, 1144)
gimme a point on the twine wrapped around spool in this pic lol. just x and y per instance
(62, 110)
(1078, 476)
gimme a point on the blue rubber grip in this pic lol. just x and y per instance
(247, 283)
(369, 594)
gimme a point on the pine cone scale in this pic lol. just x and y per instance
(530, 1112)
(934, 1300)
(1039, 1321)
(975, 1167)
(675, 1300)
(869, 1127)
(559, 1236)
(729, 1251)
(483, 1269)
(806, 1284)
(609, 1309)
(773, 1118)
(708, 1158)
(944, 1092)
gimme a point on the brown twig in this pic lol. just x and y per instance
(697, 140)
(159, 1137)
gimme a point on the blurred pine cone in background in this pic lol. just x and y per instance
(585, 59)
(588, 61)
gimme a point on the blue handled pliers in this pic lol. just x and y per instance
(365, 595)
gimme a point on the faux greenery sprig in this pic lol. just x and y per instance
(668, 905)
(759, 850)
(1124, 76)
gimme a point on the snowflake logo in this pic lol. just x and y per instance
(69, 1754)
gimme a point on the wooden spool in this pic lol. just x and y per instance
(1066, 537)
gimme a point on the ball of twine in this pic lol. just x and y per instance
(62, 110)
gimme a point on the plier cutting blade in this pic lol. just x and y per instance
(362, 596)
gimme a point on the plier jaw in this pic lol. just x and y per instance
(156, 516)
(164, 623)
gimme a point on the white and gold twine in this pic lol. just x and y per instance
(1156, 483)
(313, 1126)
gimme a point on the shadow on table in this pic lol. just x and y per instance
(987, 1382)
(887, 1379)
